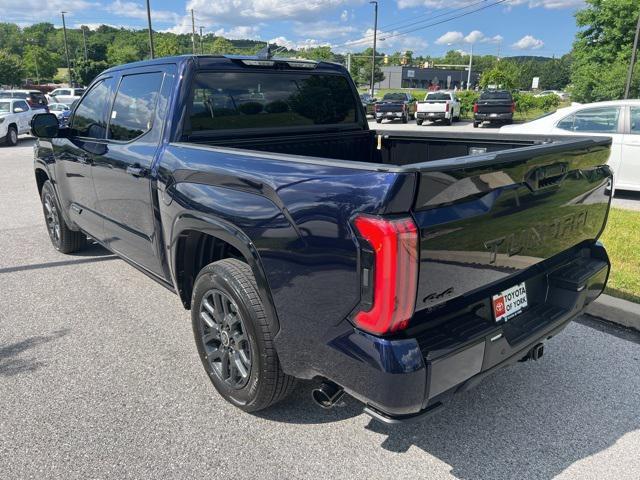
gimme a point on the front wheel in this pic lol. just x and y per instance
(234, 338)
(62, 237)
(11, 140)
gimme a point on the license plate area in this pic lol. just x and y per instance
(509, 303)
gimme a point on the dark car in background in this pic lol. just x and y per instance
(494, 106)
(35, 98)
(396, 106)
(368, 102)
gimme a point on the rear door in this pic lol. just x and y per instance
(629, 170)
(122, 173)
(23, 115)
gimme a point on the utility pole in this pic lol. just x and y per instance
(193, 32)
(373, 55)
(66, 48)
(151, 50)
(633, 60)
(201, 46)
(84, 42)
(470, 64)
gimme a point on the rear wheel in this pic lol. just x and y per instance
(234, 338)
(419, 121)
(62, 237)
(405, 118)
(11, 140)
(476, 124)
(378, 120)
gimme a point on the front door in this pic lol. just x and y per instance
(629, 171)
(76, 153)
(122, 174)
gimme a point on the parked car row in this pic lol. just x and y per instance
(493, 106)
(15, 119)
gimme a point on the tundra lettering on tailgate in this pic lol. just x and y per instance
(532, 237)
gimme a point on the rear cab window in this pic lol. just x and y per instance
(438, 96)
(396, 97)
(496, 96)
(269, 100)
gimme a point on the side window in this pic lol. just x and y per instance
(567, 123)
(20, 107)
(134, 106)
(635, 120)
(89, 117)
(594, 120)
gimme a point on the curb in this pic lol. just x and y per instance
(616, 310)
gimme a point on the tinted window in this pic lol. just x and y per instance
(495, 96)
(19, 94)
(635, 120)
(269, 100)
(594, 120)
(5, 107)
(438, 96)
(133, 108)
(396, 97)
(89, 117)
(22, 105)
(78, 92)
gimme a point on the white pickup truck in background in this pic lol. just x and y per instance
(15, 119)
(438, 106)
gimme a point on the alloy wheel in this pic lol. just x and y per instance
(52, 218)
(224, 338)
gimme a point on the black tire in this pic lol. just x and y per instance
(448, 121)
(476, 124)
(378, 120)
(405, 118)
(11, 140)
(419, 121)
(248, 337)
(62, 237)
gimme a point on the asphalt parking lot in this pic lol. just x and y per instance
(99, 378)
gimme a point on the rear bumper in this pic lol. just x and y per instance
(398, 114)
(493, 117)
(432, 115)
(401, 379)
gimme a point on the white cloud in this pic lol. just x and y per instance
(238, 33)
(41, 10)
(135, 10)
(393, 43)
(528, 42)
(450, 37)
(297, 45)
(476, 36)
(344, 16)
(323, 29)
(442, 4)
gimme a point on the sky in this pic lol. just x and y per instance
(426, 27)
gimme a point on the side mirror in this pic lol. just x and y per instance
(45, 125)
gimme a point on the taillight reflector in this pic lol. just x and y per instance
(395, 273)
(475, 108)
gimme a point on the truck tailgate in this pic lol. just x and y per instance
(432, 106)
(488, 217)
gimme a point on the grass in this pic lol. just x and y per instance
(622, 240)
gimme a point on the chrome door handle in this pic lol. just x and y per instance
(136, 171)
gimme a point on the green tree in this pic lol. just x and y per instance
(11, 71)
(39, 63)
(317, 53)
(167, 45)
(504, 74)
(86, 71)
(361, 67)
(118, 54)
(222, 46)
(602, 50)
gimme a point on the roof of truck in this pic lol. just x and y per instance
(208, 61)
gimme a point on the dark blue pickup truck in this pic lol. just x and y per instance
(397, 268)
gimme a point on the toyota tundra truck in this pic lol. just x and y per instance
(399, 268)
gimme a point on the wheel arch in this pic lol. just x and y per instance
(199, 240)
(41, 177)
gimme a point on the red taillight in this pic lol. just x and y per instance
(475, 108)
(376, 108)
(446, 108)
(513, 107)
(404, 107)
(395, 273)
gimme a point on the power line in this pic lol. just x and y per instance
(402, 33)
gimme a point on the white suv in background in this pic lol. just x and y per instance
(15, 119)
(65, 95)
(619, 120)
